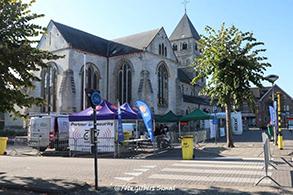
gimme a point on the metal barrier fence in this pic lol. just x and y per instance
(267, 159)
(200, 136)
(19, 146)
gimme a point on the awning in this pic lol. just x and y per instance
(170, 117)
(196, 115)
(105, 111)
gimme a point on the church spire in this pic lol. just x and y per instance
(184, 30)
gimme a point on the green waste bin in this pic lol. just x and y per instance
(187, 147)
(270, 130)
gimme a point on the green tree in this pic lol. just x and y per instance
(19, 59)
(231, 61)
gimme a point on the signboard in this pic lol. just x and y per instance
(183, 123)
(63, 127)
(236, 123)
(79, 136)
(213, 128)
(222, 131)
(215, 121)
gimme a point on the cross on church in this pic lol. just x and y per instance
(185, 3)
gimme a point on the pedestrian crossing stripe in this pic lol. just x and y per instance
(124, 178)
(133, 173)
(143, 170)
(228, 166)
(247, 180)
(148, 166)
(222, 162)
(216, 171)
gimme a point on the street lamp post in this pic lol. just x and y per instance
(272, 78)
(84, 81)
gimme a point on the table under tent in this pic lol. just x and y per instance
(107, 115)
(168, 118)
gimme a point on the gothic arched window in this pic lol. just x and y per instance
(165, 51)
(174, 47)
(162, 50)
(184, 46)
(124, 83)
(49, 87)
(91, 80)
(162, 85)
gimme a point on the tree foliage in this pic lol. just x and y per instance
(19, 59)
(232, 61)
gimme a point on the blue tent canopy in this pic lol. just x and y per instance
(105, 111)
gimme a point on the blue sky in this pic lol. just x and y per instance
(270, 20)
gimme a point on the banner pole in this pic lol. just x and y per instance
(95, 149)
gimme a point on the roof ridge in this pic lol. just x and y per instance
(139, 40)
(88, 42)
(76, 29)
(127, 36)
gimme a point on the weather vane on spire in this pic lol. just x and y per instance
(185, 3)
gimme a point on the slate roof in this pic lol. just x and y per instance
(183, 76)
(196, 100)
(261, 93)
(90, 43)
(139, 40)
(184, 29)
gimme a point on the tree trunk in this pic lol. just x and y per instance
(228, 126)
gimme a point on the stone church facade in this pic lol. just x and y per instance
(149, 66)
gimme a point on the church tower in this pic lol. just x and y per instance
(183, 41)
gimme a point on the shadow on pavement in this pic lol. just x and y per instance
(176, 153)
(40, 185)
(31, 185)
(211, 191)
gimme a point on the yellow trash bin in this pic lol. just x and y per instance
(187, 147)
(3, 144)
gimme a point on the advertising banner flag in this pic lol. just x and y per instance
(146, 115)
(272, 115)
(120, 129)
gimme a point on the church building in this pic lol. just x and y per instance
(149, 66)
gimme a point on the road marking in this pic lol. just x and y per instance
(229, 158)
(161, 152)
(143, 170)
(149, 166)
(133, 173)
(216, 171)
(124, 178)
(220, 166)
(207, 179)
(220, 162)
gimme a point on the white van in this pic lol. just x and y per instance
(48, 131)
